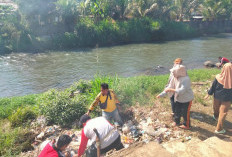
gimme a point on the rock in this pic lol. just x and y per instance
(209, 64)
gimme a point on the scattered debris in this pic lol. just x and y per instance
(147, 124)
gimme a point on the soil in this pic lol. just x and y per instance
(202, 123)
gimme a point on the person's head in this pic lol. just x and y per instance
(104, 88)
(84, 118)
(63, 142)
(179, 71)
(225, 77)
(178, 61)
(220, 58)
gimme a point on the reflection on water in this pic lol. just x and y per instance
(23, 73)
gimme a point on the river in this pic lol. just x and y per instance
(29, 73)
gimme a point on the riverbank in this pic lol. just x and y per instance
(59, 108)
(108, 32)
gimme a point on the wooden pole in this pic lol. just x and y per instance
(97, 142)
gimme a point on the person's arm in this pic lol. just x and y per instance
(83, 144)
(94, 104)
(213, 87)
(185, 84)
(163, 94)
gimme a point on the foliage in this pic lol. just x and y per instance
(9, 105)
(69, 24)
(14, 140)
(68, 9)
(217, 9)
(106, 32)
(185, 8)
(23, 115)
(177, 30)
(60, 109)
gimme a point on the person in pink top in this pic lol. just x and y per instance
(223, 60)
(55, 150)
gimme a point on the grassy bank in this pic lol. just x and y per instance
(59, 108)
(107, 32)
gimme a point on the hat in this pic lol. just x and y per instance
(178, 61)
(84, 118)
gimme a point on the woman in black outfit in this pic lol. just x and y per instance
(222, 91)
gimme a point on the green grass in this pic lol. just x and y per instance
(201, 75)
(10, 105)
(10, 139)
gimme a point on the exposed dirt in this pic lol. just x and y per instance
(202, 123)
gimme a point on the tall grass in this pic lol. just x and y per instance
(9, 105)
(10, 139)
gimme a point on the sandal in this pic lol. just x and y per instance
(184, 127)
(220, 132)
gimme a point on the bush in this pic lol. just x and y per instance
(22, 116)
(177, 30)
(60, 109)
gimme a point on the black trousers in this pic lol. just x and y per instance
(117, 144)
(173, 104)
(92, 150)
(182, 110)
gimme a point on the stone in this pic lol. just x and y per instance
(209, 64)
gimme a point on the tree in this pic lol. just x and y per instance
(217, 9)
(184, 8)
(68, 9)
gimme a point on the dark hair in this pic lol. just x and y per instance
(105, 86)
(63, 140)
(83, 120)
(219, 57)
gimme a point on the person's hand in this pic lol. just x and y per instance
(67, 154)
(169, 90)
(158, 96)
(87, 113)
(206, 97)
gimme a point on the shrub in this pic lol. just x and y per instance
(22, 115)
(177, 30)
(60, 109)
